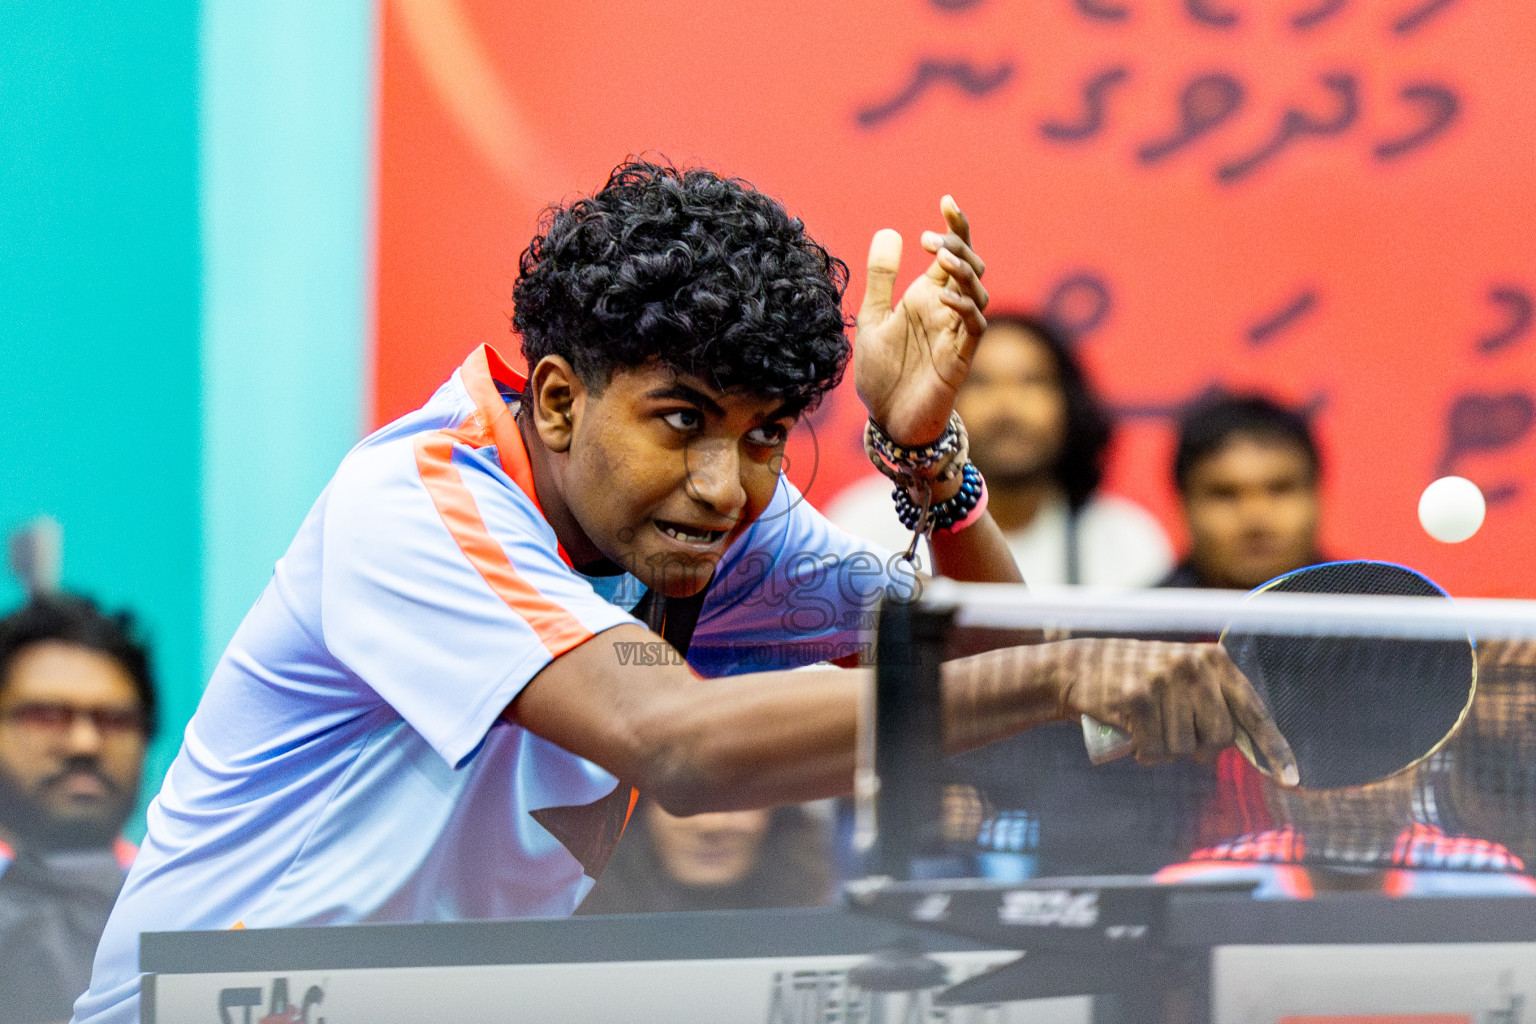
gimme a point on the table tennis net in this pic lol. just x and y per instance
(1034, 805)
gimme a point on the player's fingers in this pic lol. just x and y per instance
(960, 230)
(1252, 717)
(1151, 737)
(936, 243)
(1146, 671)
(1212, 719)
(958, 222)
(1178, 712)
(936, 272)
(880, 282)
(971, 317)
(1178, 730)
(963, 276)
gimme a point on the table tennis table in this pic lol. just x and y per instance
(911, 943)
(1094, 950)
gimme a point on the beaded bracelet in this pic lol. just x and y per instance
(939, 461)
(947, 515)
(976, 512)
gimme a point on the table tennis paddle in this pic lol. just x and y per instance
(1355, 709)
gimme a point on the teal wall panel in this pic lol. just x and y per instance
(185, 211)
(287, 126)
(99, 311)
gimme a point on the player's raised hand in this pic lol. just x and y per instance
(1174, 699)
(911, 357)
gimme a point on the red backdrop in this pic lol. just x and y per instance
(1332, 200)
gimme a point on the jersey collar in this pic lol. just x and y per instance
(481, 372)
(497, 424)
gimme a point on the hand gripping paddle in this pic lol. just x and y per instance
(1355, 709)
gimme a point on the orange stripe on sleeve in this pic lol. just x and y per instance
(557, 629)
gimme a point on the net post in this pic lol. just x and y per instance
(909, 732)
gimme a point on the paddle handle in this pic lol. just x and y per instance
(1105, 743)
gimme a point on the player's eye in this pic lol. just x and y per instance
(769, 435)
(684, 419)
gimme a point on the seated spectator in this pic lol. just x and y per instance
(731, 860)
(1351, 841)
(1450, 827)
(1485, 784)
(1039, 435)
(1422, 861)
(1247, 472)
(77, 707)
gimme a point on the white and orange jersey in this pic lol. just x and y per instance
(349, 760)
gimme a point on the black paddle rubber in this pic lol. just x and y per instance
(1357, 709)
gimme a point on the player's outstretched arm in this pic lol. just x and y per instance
(779, 737)
(1175, 700)
(910, 358)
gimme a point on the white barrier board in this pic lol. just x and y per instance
(1462, 983)
(770, 990)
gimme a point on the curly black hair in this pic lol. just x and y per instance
(704, 273)
(1079, 467)
(74, 620)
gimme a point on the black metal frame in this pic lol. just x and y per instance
(909, 734)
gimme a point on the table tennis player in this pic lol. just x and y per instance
(444, 701)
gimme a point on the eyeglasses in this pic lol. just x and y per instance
(47, 718)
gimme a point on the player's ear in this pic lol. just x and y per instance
(557, 394)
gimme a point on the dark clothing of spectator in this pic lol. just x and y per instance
(52, 911)
(1183, 575)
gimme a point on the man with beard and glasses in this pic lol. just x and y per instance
(1039, 435)
(76, 708)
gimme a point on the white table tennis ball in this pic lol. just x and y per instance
(1451, 509)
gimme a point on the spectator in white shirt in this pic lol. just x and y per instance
(1038, 434)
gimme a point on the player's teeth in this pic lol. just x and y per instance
(680, 534)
